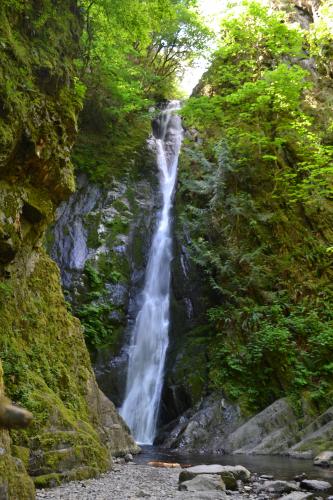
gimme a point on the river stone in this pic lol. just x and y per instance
(201, 495)
(324, 459)
(203, 482)
(315, 485)
(191, 472)
(128, 457)
(279, 486)
(229, 473)
(297, 495)
(238, 471)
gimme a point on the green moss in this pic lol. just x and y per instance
(37, 93)
(14, 479)
(21, 452)
(112, 152)
(316, 445)
(47, 370)
(48, 480)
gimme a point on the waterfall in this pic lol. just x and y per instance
(149, 340)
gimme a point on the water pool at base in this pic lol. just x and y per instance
(280, 467)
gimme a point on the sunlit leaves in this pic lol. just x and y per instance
(133, 50)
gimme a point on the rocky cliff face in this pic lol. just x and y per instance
(45, 361)
(101, 241)
(215, 425)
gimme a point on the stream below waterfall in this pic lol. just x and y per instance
(278, 466)
(136, 480)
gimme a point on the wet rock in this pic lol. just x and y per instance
(216, 426)
(128, 457)
(300, 477)
(205, 428)
(229, 474)
(269, 432)
(203, 482)
(297, 495)
(324, 459)
(315, 485)
(113, 429)
(279, 487)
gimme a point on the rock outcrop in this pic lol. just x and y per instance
(217, 426)
(317, 436)
(46, 364)
(271, 431)
(204, 428)
(324, 459)
(100, 241)
(14, 480)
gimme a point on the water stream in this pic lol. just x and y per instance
(149, 339)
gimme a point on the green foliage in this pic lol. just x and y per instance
(94, 309)
(93, 317)
(132, 54)
(283, 351)
(137, 48)
(321, 38)
(259, 100)
(255, 195)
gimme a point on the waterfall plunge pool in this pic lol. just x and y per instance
(280, 467)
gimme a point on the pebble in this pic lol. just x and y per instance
(125, 482)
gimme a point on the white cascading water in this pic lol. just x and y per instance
(149, 341)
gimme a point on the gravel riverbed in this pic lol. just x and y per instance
(124, 482)
(127, 481)
(131, 481)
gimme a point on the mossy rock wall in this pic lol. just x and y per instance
(47, 369)
(45, 361)
(14, 480)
